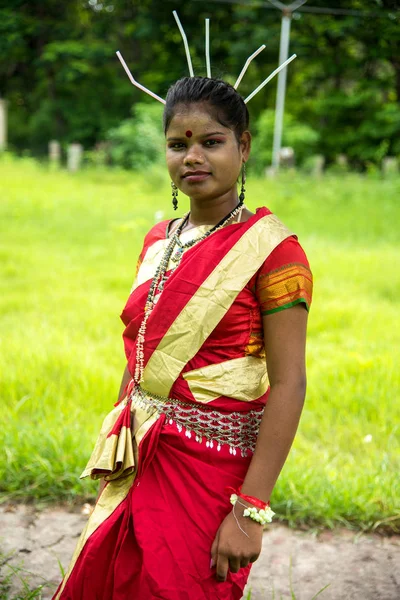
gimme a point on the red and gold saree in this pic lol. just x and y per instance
(169, 451)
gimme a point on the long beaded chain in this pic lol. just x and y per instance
(157, 284)
(148, 307)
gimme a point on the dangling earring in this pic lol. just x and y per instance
(174, 195)
(242, 190)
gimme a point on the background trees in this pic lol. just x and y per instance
(59, 71)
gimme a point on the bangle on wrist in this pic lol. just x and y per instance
(259, 511)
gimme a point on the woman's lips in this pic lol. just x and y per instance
(195, 177)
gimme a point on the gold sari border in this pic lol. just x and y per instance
(244, 379)
(113, 494)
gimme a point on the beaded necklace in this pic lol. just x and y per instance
(159, 279)
(184, 246)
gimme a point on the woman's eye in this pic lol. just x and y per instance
(176, 146)
(211, 143)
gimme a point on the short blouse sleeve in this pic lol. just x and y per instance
(284, 279)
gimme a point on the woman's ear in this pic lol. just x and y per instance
(245, 145)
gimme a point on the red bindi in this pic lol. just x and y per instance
(188, 133)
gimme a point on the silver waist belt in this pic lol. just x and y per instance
(234, 429)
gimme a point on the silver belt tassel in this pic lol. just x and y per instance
(235, 429)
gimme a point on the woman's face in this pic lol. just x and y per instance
(204, 158)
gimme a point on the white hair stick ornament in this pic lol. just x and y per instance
(248, 61)
(239, 79)
(134, 82)
(185, 42)
(208, 64)
(282, 66)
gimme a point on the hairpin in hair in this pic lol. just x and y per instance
(208, 64)
(246, 64)
(185, 43)
(136, 83)
(260, 87)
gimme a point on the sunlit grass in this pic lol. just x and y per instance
(68, 248)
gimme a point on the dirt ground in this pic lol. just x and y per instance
(293, 564)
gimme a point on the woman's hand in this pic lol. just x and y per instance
(232, 549)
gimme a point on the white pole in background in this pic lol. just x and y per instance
(281, 89)
(3, 124)
(287, 11)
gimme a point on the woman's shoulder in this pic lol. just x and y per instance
(289, 251)
(158, 232)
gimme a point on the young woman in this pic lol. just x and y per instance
(215, 379)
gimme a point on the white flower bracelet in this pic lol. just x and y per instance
(262, 515)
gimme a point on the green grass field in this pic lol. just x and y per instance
(68, 248)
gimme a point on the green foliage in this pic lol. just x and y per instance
(359, 124)
(302, 138)
(138, 142)
(57, 73)
(61, 355)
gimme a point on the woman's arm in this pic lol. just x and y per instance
(126, 377)
(285, 336)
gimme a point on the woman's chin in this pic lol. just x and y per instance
(208, 194)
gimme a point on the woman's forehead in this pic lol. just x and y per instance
(195, 118)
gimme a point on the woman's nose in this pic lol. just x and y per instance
(194, 155)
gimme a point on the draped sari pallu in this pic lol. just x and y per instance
(140, 442)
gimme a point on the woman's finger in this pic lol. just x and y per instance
(222, 567)
(254, 558)
(234, 565)
(214, 551)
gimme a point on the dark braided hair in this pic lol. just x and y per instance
(226, 105)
